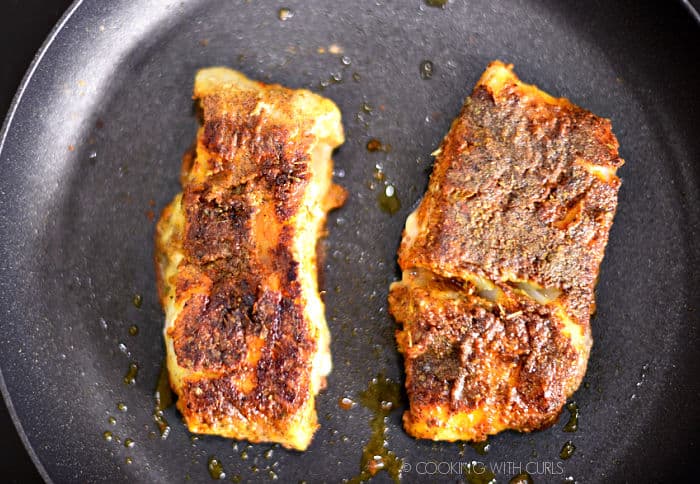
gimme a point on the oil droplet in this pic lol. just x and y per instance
(379, 173)
(381, 397)
(389, 200)
(131, 374)
(216, 470)
(137, 300)
(522, 478)
(567, 451)
(268, 454)
(481, 448)
(273, 476)
(436, 3)
(478, 473)
(121, 406)
(133, 330)
(163, 399)
(129, 460)
(462, 447)
(356, 77)
(374, 145)
(345, 60)
(244, 455)
(643, 375)
(129, 443)
(92, 157)
(112, 421)
(572, 424)
(426, 69)
(107, 435)
(346, 403)
(285, 14)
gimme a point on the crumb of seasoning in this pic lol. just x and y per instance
(335, 49)
(151, 203)
(99, 124)
(204, 42)
(150, 214)
(137, 300)
(71, 148)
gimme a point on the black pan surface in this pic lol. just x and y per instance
(92, 147)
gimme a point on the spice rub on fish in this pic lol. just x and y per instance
(500, 260)
(246, 337)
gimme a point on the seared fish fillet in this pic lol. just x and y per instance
(246, 337)
(500, 260)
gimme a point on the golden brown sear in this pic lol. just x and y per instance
(246, 337)
(500, 260)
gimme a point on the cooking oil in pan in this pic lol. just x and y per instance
(381, 397)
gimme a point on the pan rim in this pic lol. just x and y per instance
(692, 10)
(9, 117)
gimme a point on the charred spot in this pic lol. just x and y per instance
(281, 179)
(223, 134)
(213, 333)
(284, 262)
(215, 230)
(282, 371)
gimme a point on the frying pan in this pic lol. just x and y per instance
(91, 149)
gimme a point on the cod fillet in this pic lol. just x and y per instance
(500, 260)
(246, 338)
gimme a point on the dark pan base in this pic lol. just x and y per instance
(98, 132)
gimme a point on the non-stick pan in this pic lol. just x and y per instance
(90, 153)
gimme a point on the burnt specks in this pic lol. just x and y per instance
(250, 146)
(465, 355)
(237, 323)
(511, 195)
(221, 339)
(244, 335)
(523, 191)
(217, 229)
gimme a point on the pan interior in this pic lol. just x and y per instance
(92, 155)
